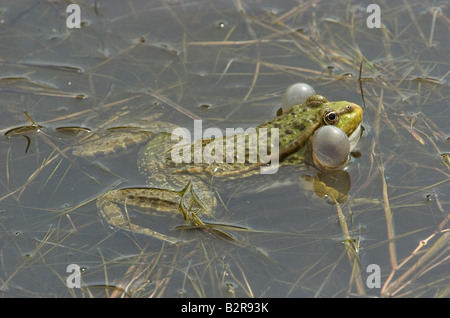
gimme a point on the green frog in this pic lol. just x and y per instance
(184, 186)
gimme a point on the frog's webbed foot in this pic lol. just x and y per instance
(156, 199)
(196, 197)
(333, 186)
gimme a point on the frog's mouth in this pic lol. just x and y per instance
(354, 137)
(348, 122)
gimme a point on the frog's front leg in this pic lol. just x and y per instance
(155, 199)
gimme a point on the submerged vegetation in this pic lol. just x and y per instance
(228, 63)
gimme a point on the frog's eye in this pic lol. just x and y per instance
(330, 117)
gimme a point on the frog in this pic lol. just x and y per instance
(186, 187)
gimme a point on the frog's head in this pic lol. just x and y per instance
(347, 117)
(344, 115)
(340, 132)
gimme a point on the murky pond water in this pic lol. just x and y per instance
(228, 64)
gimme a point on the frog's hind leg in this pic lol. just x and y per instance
(156, 199)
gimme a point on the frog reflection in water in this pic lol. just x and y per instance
(185, 187)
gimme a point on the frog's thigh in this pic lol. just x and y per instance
(110, 143)
(156, 199)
